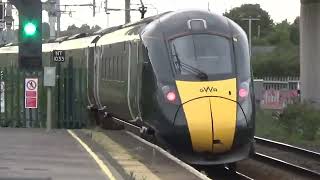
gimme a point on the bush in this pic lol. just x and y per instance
(283, 61)
(301, 120)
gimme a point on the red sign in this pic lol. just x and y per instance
(31, 93)
(278, 99)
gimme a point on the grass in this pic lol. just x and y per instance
(270, 127)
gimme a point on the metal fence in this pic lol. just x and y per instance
(277, 92)
(69, 102)
(69, 108)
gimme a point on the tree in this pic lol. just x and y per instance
(85, 28)
(280, 34)
(45, 31)
(254, 11)
(295, 32)
(95, 28)
(72, 28)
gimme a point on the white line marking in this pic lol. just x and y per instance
(102, 166)
(170, 156)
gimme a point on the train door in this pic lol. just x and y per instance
(96, 74)
(90, 75)
(134, 81)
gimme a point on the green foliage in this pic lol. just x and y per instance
(254, 11)
(73, 29)
(272, 128)
(283, 61)
(295, 31)
(301, 119)
(280, 34)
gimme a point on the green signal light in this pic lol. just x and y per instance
(30, 29)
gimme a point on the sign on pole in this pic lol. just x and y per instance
(49, 76)
(59, 55)
(31, 93)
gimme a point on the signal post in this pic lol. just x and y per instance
(30, 51)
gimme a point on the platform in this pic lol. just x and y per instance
(140, 158)
(34, 154)
(37, 155)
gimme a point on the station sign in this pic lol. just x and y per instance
(31, 93)
(59, 55)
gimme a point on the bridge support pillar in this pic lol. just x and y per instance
(310, 50)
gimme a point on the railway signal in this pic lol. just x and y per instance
(30, 33)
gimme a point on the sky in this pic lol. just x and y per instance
(279, 10)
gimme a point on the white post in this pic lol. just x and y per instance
(49, 110)
(58, 17)
(309, 50)
(250, 36)
(52, 23)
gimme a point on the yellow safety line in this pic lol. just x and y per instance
(102, 166)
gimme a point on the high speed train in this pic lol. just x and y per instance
(184, 77)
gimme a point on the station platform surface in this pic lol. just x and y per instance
(34, 154)
(139, 158)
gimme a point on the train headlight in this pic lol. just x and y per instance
(170, 94)
(245, 105)
(244, 90)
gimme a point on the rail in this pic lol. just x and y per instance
(287, 147)
(285, 165)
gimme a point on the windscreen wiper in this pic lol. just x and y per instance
(200, 74)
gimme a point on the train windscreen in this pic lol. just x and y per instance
(202, 53)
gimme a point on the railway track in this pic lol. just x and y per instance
(287, 147)
(278, 155)
(222, 173)
(240, 176)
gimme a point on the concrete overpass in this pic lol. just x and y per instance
(310, 50)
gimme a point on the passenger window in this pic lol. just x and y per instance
(114, 71)
(105, 68)
(109, 68)
(121, 69)
(118, 68)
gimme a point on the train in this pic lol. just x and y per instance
(183, 77)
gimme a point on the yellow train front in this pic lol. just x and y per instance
(197, 89)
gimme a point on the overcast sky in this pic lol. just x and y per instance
(278, 9)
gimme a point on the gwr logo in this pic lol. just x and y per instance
(208, 89)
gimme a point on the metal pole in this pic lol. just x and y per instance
(250, 38)
(127, 11)
(108, 19)
(58, 18)
(250, 31)
(49, 110)
(52, 23)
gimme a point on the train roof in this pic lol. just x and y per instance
(168, 23)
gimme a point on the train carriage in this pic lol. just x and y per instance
(183, 76)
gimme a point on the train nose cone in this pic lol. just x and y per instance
(211, 115)
(211, 123)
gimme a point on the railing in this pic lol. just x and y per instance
(277, 92)
(69, 102)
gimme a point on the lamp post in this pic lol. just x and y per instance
(249, 19)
